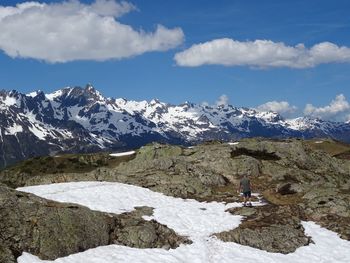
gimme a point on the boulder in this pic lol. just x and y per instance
(271, 228)
(50, 229)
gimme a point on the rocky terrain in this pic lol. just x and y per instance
(81, 120)
(51, 229)
(299, 180)
(272, 228)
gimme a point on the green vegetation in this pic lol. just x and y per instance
(67, 163)
(334, 148)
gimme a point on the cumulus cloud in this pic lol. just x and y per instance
(281, 107)
(261, 54)
(71, 30)
(110, 7)
(223, 100)
(337, 110)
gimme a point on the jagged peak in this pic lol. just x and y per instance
(308, 119)
(155, 101)
(89, 88)
(33, 94)
(89, 92)
(14, 93)
(121, 100)
(188, 104)
(56, 94)
(270, 116)
(88, 95)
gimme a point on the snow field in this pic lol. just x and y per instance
(122, 154)
(187, 217)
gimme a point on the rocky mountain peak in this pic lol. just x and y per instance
(78, 96)
(80, 119)
(91, 92)
(154, 102)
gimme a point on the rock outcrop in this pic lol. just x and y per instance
(50, 229)
(291, 175)
(271, 228)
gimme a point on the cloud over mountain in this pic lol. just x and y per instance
(223, 100)
(281, 107)
(70, 30)
(337, 110)
(261, 54)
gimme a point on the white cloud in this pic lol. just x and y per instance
(72, 30)
(223, 100)
(261, 53)
(337, 110)
(281, 107)
(111, 8)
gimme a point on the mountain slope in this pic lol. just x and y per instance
(76, 119)
(192, 190)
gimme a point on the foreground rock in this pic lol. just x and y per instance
(271, 228)
(50, 229)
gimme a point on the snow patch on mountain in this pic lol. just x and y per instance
(301, 123)
(122, 154)
(78, 118)
(14, 129)
(10, 101)
(55, 94)
(38, 128)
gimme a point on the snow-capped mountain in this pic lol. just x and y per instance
(76, 119)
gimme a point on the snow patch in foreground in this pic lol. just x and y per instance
(187, 217)
(233, 143)
(122, 154)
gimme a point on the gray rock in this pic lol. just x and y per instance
(50, 229)
(326, 201)
(288, 188)
(270, 228)
(243, 211)
(275, 238)
(6, 255)
(287, 172)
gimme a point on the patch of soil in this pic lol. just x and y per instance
(344, 155)
(259, 155)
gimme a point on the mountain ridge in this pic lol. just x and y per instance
(75, 119)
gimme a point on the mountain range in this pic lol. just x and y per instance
(75, 119)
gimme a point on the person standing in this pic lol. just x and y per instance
(245, 187)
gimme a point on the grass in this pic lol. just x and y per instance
(277, 199)
(334, 148)
(67, 163)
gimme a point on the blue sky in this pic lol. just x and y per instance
(156, 74)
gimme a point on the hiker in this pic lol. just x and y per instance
(246, 189)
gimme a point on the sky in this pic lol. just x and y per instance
(292, 57)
